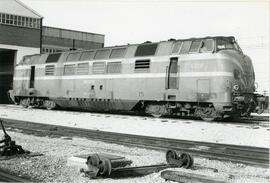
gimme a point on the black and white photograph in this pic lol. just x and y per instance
(134, 91)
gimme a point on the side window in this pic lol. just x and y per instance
(53, 57)
(99, 67)
(87, 55)
(74, 56)
(118, 53)
(185, 47)
(195, 45)
(114, 67)
(82, 68)
(207, 45)
(49, 70)
(146, 50)
(176, 47)
(102, 54)
(69, 69)
(142, 65)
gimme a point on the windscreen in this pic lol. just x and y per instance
(227, 43)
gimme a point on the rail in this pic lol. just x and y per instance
(256, 156)
(7, 177)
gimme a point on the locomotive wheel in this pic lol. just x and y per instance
(187, 159)
(156, 110)
(49, 104)
(170, 156)
(207, 114)
(25, 102)
(106, 167)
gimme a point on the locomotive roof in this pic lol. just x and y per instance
(128, 50)
(149, 42)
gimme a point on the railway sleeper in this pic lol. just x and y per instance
(100, 166)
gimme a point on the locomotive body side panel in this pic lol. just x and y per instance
(162, 76)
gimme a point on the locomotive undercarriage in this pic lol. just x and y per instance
(242, 105)
(245, 103)
(39, 102)
(205, 111)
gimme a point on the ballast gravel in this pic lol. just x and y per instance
(217, 132)
(52, 165)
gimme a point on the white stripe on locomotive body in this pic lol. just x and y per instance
(135, 75)
(160, 59)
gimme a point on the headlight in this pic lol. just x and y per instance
(235, 87)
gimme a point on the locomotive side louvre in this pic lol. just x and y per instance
(187, 77)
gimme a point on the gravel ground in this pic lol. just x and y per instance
(51, 167)
(239, 134)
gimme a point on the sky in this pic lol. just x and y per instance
(137, 21)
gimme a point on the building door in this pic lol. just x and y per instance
(32, 77)
(7, 60)
(172, 78)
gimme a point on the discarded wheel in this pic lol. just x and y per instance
(106, 167)
(187, 160)
(93, 160)
(171, 156)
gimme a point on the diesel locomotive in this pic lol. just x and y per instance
(207, 77)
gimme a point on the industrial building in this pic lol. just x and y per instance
(22, 33)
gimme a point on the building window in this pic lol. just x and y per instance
(146, 50)
(69, 69)
(114, 67)
(3, 18)
(49, 70)
(142, 65)
(99, 67)
(19, 21)
(82, 68)
(118, 53)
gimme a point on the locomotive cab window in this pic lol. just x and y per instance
(195, 45)
(227, 43)
(207, 45)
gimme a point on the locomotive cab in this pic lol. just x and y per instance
(242, 84)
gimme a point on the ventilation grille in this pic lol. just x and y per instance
(49, 70)
(83, 68)
(99, 67)
(142, 64)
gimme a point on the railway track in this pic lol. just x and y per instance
(256, 156)
(7, 177)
